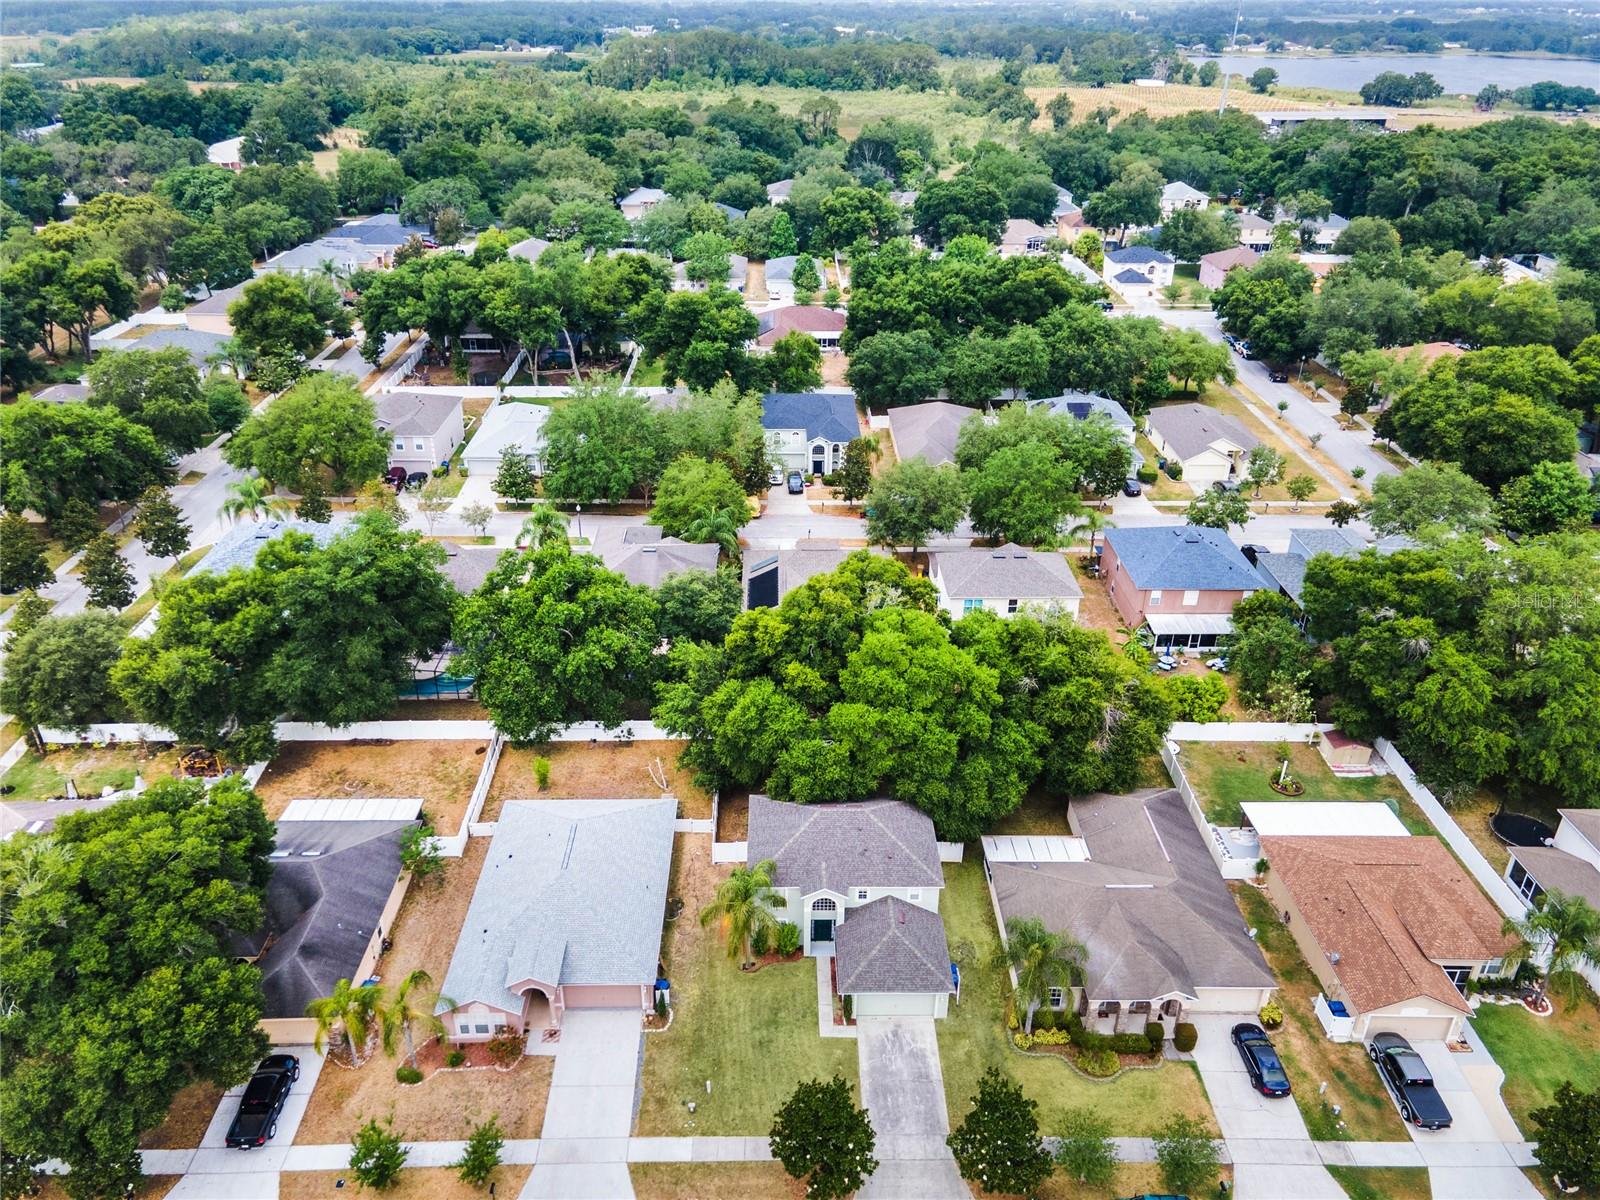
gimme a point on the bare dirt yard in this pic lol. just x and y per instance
(441, 773)
(714, 1181)
(415, 1183)
(187, 1119)
(597, 771)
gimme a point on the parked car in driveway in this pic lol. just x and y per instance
(1130, 487)
(256, 1122)
(1261, 1060)
(797, 483)
(776, 477)
(1409, 1081)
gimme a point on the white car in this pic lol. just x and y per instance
(775, 477)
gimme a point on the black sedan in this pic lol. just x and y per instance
(1409, 1081)
(256, 1122)
(1261, 1061)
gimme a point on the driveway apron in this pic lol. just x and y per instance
(902, 1088)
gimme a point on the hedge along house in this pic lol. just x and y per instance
(567, 914)
(336, 887)
(1136, 885)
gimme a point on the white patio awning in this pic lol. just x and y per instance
(1165, 624)
(1039, 848)
(1334, 818)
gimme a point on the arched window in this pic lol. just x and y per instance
(824, 905)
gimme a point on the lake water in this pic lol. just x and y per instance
(1456, 73)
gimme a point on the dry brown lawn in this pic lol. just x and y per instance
(326, 162)
(429, 922)
(1133, 1179)
(151, 1187)
(1096, 611)
(415, 1183)
(440, 710)
(187, 1119)
(715, 1181)
(596, 771)
(441, 773)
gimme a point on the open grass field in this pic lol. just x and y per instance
(754, 1036)
(90, 770)
(1225, 775)
(714, 1181)
(1366, 1115)
(973, 1037)
(1538, 1054)
(597, 771)
(344, 137)
(415, 1183)
(1383, 1183)
(441, 773)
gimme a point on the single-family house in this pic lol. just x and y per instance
(336, 887)
(1136, 885)
(1214, 267)
(640, 201)
(728, 210)
(345, 255)
(228, 154)
(1569, 863)
(1078, 269)
(198, 345)
(466, 567)
(211, 314)
(567, 914)
(826, 325)
(648, 563)
(1210, 445)
(1394, 928)
(505, 425)
(808, 431)
(1255, 230)
(1153, 267)
(382, 229)
(529, 249)
(1023, 237)
(1542, 265)
(778, 191)
(1509, 270)
(1180, 581)
(928, 431)
(1288, 569)
(768, 578)
(1178, 195)
(1004, 580)
(779, 274)
(904, 199)
(738, 274)
(1321, 265)
(423, 429)
(1087, 406)
(1067, 217)
(241, 541)
(875, 859)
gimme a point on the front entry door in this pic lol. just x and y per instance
(822, 929)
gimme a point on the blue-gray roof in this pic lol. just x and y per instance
(830, 416)
(1183, 558)
(1082, 405)
(1137, 254)
(1311, 540)
(384, 229)
(197, 345)
(243, 540)
(1129, 276)
(1288, 571)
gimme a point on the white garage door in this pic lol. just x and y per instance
(896, 1004)
(1413, 1029)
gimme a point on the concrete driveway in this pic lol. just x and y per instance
(902, 1088)
(583, 1149)
(1473, 1159)
(1272, 1151)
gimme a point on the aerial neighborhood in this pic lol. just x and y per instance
(792, 601)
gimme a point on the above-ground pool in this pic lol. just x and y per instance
(1518, 829)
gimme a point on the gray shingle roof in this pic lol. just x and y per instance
(1558, 871)
(827, 415)
(384, 229)
(891, 945)
(415, 412)
(468, 566)
(1585, 820)
(330, 881)
(1190, 429)
(781, 269)
(1313, 540)
(528, 248)
(651, 562)
(1008, 570)
(928, 431)
(217, 302)
(638, 535)
(572, 892)
(1288, 571)
(870, 843)
(197, 345)
(242, 541)
(1148, 905)
(1129, 276)
(1083, 405)
(1183, 557)
(644, 195)
(1137, 254)
(806, 559)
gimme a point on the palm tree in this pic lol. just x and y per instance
(351, 1010)
(1090, 520)
(719, 525)
(1041, 960)
(251, 496)
(1568, 928)
(545, 524)
(233, 354)
(397, 1016)
(744, 904)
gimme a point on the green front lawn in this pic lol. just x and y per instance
(1225, 775)
(91, 769)
(754, 1036)
(647, 373)
(1538, 1054)
(973, 1037)
(1310, 1058)
(1383, 1183)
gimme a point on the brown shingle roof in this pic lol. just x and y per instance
(1391, 909)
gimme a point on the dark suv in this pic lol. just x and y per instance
(1410, 1082)
(1261, 1060)
(256, 1122)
